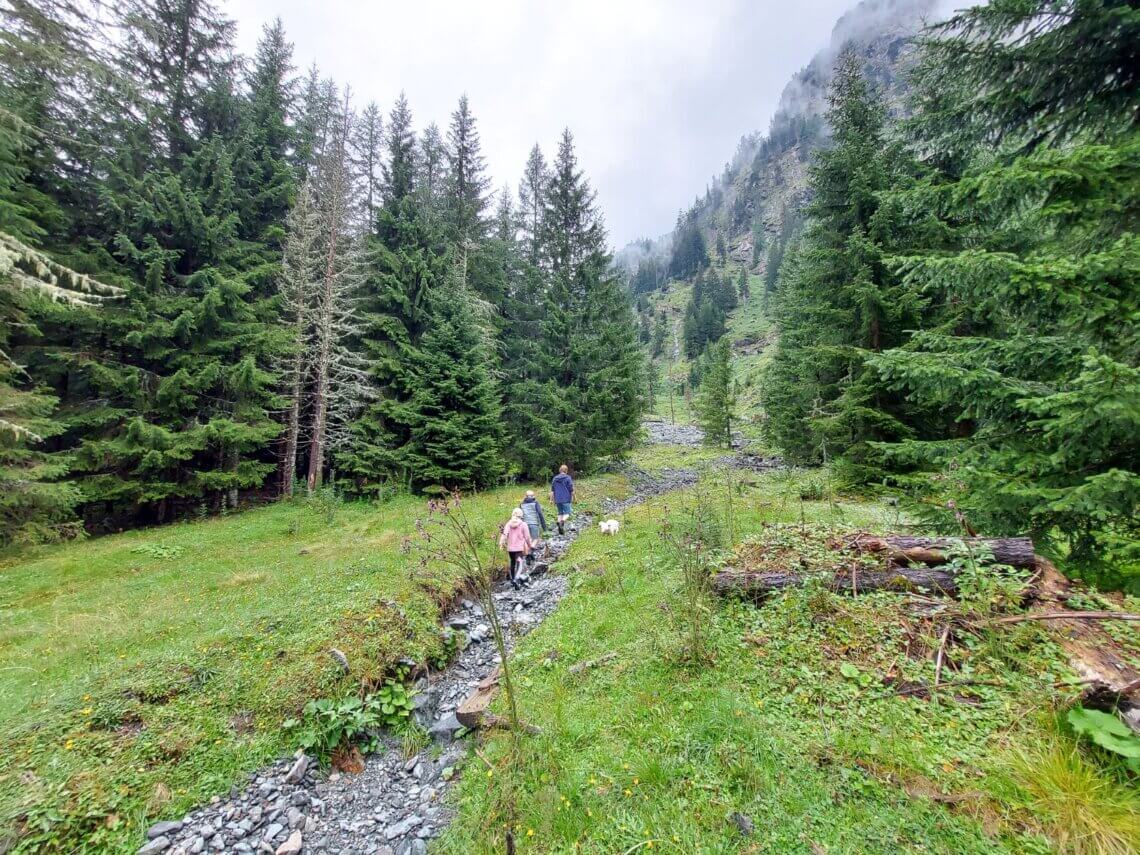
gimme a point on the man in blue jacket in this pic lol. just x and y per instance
(562, 494)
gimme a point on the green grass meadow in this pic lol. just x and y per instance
(788, 723)
(144, 672)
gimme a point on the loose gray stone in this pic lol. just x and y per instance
(273, 831)
(400, 829)
(298, 771)
(743, 823)
(158, 844)
(292, 846)
(163, 829)
(445, 729)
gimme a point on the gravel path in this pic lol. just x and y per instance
(397, 803)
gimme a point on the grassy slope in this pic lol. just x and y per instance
(645, 753)
(748, 321)
(144, 672)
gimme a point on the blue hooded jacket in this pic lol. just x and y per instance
(563, 488)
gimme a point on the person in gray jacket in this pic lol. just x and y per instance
(535, 520)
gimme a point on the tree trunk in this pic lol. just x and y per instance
(913, 564)
(232, 492)
(292, 434)
(1014, 551)
(759, 585)
(317, 443)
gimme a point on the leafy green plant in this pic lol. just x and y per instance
(157, 550)
(326, 502)
(1109, 732)
(395, 703)
(328, 724)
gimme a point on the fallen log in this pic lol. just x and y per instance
(755, 585)
(1013, 551)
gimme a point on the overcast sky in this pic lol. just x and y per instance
(656, 92)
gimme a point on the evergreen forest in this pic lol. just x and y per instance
(296, 290)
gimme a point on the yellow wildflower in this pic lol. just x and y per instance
(530, 832)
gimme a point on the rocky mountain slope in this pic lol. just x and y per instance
(756, 200)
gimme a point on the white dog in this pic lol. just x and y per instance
(609, 526)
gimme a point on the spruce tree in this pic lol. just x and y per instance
(1033, 368)
(841, 303)
(716, 398)
(466, 184)
(37, 504)
(182, 367)
(532, 193)
(455, 424)
(404, 264)
(367, 151)
(590, 355)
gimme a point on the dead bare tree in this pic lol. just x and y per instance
(322, 270)
(296, 285)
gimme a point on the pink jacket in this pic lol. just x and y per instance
(516, 536)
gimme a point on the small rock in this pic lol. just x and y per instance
(197, 845)
(292, 846)
(402, 828)
(273, 832)
(445, 729)
(298, 771)
(158, 844)
(163, 829)
(743, 823)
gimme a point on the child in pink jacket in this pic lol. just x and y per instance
(515, 538)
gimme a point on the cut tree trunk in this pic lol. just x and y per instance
(1013, 551)
(470, 713)
(759, 585)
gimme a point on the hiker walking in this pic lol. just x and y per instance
(535, 521)
(515, 538)
(562, 494)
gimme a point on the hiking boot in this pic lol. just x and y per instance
(561, 531)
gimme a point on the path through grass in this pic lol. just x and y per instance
(143, 673)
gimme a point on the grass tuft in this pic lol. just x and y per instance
(1087, 812)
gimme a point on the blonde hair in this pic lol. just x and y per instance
(516, 514)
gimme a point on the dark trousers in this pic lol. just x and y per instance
(516, 560)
